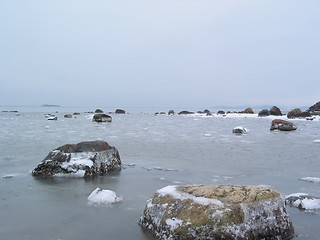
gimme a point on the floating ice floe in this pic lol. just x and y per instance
(10, 175)
(303, 201)
(103, 197)
(311, 179)
(316, 141)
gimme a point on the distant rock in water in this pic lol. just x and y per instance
(221, 112)
(315, 107)
(98, 111)
(120, 111)
(185, 113)
(297, 113)
(239, 130)
(67, 116)
(204, 212)
(264, 113)
(101, 117)
(282, 125)
(275, 111)
(171, 112)
(82, 159)
(248, 111)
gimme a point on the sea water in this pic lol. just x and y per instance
(156, 151)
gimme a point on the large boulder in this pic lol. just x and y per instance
(82, 159)
(282, 125)
(297, 113)
(217, 212)
(264, 113)
(101, 117)
(275, 111)
(315, 107)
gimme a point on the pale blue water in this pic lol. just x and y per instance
(166, 150)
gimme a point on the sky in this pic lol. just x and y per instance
(159, 53)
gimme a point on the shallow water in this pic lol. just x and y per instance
(156, 151)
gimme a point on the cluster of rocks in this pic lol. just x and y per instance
(186, 211)
(275, 111)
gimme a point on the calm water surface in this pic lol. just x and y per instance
(161, 151)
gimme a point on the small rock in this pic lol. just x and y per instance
(282, 125)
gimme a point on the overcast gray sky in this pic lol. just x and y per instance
(168, 53)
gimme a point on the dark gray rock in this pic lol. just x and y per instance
(171, 112)
(82, 159)
(264, 113)
(101, 117)
(120, 111)
(275, 111)
(315, 107)
(98, 111)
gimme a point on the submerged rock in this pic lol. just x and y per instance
(217, 212)
(282, 125)
(82, 159)
(101, 117)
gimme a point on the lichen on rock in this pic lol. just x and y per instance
(216, 212)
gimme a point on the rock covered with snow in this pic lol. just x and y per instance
(239, 130)
(217, 212)
(103, 197)
(303, 201)
(282, 125)
(82, 159)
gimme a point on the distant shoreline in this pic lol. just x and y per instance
(50, 105)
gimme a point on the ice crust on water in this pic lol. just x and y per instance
(77, 174)
(311, 179)
(316, 141)
(172, 190)
(103, 197)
